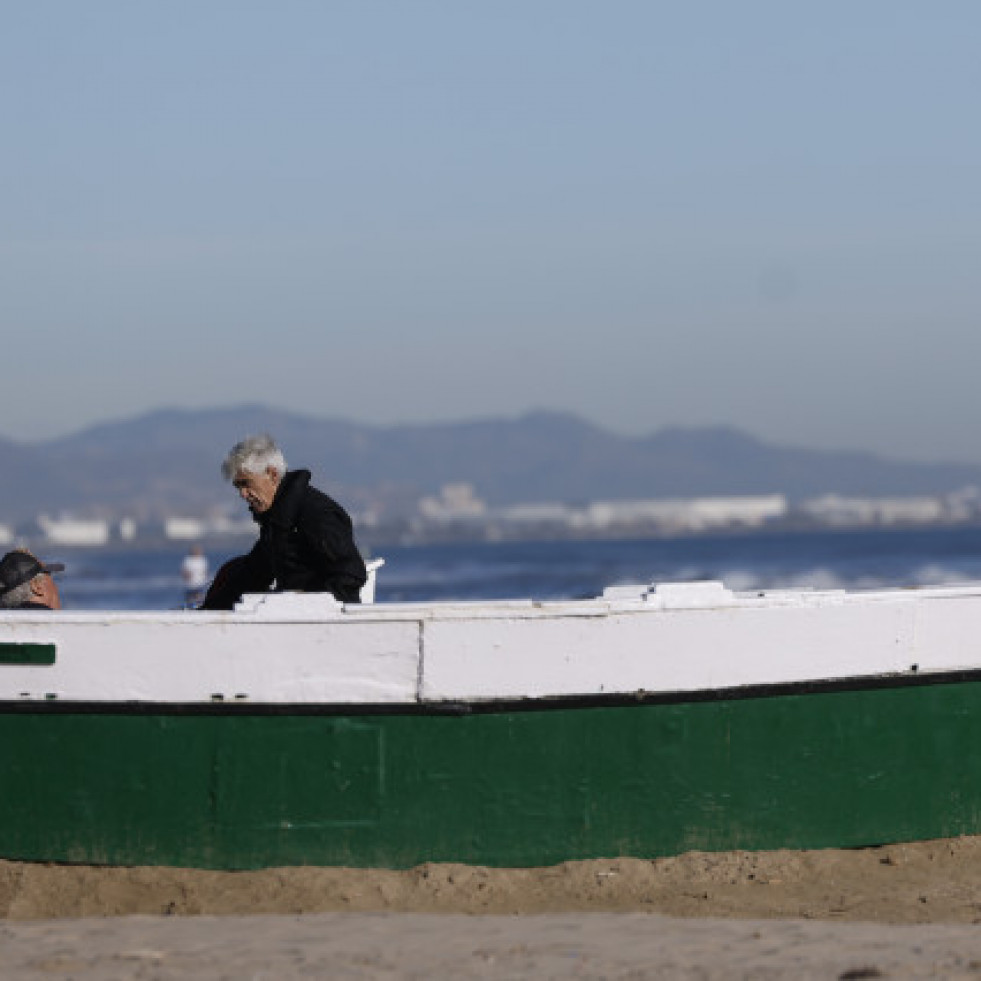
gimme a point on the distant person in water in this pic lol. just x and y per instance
(194, 573)
(306, 539)
(27, 584)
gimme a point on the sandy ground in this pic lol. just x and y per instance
(898, 911)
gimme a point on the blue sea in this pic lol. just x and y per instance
(133, 579)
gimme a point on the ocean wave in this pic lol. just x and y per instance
(565, 570)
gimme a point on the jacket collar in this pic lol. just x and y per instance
(289, 495)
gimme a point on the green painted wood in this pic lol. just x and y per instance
(26, 653)
(509, 788)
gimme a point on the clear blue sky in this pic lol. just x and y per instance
(763, 214)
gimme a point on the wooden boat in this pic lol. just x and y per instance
(648, 721)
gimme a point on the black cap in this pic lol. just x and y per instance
(16, 568)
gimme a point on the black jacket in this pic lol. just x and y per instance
(306, 543)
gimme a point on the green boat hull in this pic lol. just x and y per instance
(509, 785)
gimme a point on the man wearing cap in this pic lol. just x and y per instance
(26, 583)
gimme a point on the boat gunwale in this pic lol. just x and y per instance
(500, 705)
(646, 601)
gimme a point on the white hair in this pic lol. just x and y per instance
(18, 595)
(253, 455)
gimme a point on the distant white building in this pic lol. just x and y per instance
(963, 504)
(544, 513)
(6, 535)
(455, 502)
(193, 529)
(74, 531)
(833, 509)
(223, 525)
(184, 529)
(688, 514)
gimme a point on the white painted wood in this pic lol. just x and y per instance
(368, 589)
(691, 596)
(947, 633)
(309, 649)
(178, 659)
(663, 651)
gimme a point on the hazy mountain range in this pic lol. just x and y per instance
(167, 463)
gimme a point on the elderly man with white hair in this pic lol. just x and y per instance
(306, 539)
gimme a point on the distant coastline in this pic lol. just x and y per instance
(154, 480)
(477, 523)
